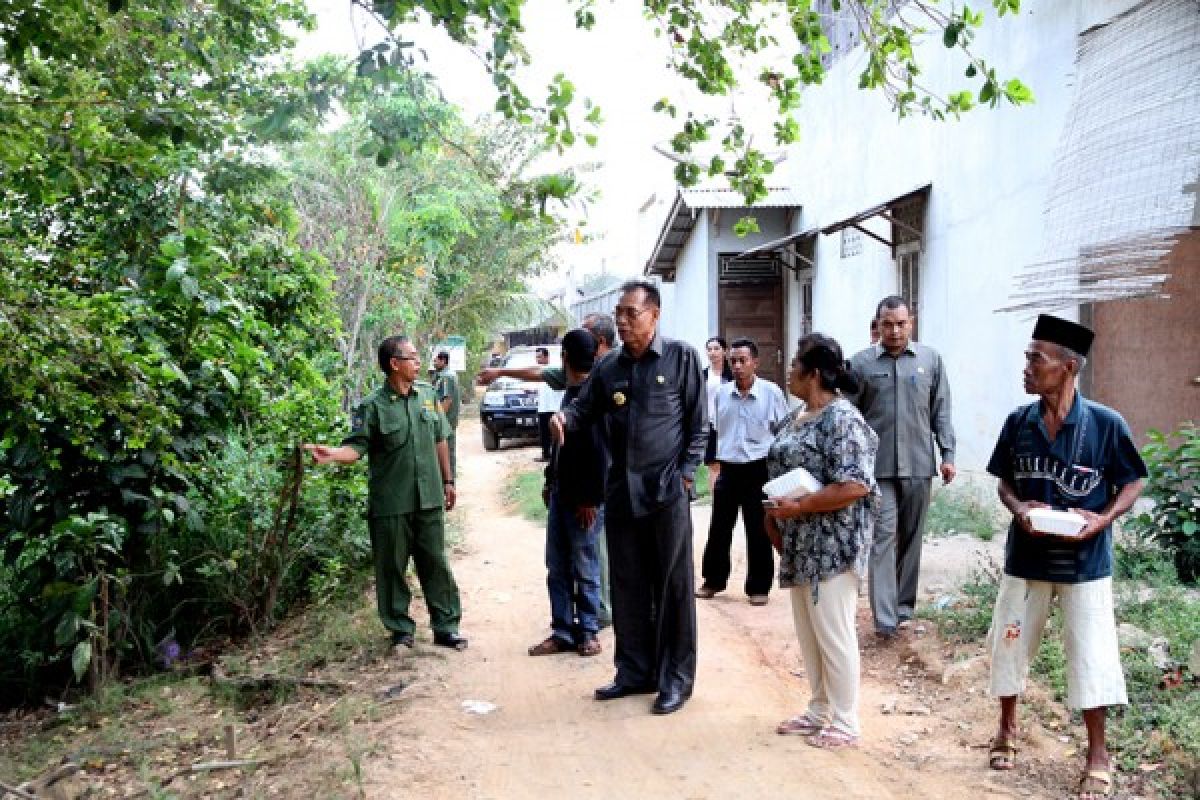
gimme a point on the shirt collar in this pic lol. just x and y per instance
(1072, 417)
(732, 387)
(655, 347)
(880, 352)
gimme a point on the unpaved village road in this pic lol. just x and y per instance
(548, 737)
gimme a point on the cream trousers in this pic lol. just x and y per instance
(1094, 677)
(829, 645)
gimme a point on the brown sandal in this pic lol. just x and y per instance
(551, 645)
(590, 647)
(1002, 756)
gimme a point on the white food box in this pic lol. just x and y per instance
(795, 483)
(1059, 523)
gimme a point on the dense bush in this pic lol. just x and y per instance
(1173, 461)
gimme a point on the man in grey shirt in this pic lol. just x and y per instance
(905, 397)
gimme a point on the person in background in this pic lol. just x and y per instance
(1068, 453)
(747, 411)
(574, 496)
(604, 330)
(445, 385)
(402, 431)
(717, 373)
(549, 401)
(904, 394)
(824, 538)
(874, 330)
(648, 398)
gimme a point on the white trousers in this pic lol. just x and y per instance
(1094, 677)
(829, 645)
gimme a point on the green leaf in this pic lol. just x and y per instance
(81, 657)
(230, 379)
(67, 628)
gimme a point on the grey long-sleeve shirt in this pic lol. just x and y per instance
(906, 401)
(652, 412)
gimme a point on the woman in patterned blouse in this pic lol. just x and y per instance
(824, 538)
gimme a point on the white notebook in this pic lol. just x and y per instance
(795, 483)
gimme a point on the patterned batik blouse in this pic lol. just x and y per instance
(836, 445)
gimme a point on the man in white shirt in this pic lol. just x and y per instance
(549, 401)
(747, 408)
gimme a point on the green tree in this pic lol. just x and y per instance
(705, 42)
(156, 314)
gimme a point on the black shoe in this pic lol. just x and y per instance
(670, 701)
(885, 634)
(616, 690)
(405, 639)
(450, 640)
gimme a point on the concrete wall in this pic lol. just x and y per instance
(989, 172)
(690, 318)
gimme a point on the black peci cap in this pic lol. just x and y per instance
(1065, 333)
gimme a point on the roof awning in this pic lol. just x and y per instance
(681, 219)
(884, 210)
(785, 245)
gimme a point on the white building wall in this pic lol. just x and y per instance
(689, 318)
(989, 173)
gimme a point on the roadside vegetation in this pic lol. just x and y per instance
(1156, 738)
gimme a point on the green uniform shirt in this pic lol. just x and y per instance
(446, 385)
(555, 377)
(399, 435)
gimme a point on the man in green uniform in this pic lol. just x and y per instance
(403, 431)
(445, 383)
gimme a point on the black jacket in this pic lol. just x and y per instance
(577, 467)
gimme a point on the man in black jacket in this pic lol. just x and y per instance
(574, 495)
(649, 399)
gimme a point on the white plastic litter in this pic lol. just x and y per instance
(478, 707)
(795, 483)
(1060, 523)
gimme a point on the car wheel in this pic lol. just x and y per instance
(491, 441)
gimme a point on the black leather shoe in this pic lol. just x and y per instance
(450, 640)
(404, 639)
(615, 690)
(670, 701)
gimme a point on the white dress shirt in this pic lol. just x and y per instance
(744, 421)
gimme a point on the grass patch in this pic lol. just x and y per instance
(1160, 725)
(962, 509)
(525, 490)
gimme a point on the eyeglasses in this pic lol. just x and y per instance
(628, 312)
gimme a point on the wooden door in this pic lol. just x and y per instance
(750, 304)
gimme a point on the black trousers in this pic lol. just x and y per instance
(545, 438)
(653, 607)
(739, 486)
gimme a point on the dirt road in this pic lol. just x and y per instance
(547, 735)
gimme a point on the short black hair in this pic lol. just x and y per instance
(579, 349)
(601, 326)
(653, 297)
(389, 348)
(746, 343)
(719, 340)
(891, 303)
(443, 356)
(541, 351)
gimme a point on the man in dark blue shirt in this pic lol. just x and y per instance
(649, 399)
(1067, 453)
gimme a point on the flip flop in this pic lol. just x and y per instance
(802, 725)
(1002, 756)
(1095, 784)
(832, 739)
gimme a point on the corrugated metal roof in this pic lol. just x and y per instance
(677, 226)
(729, 198)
